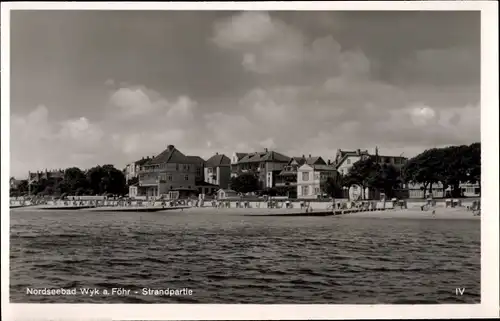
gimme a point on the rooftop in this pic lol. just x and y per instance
(267, 156)
(196, 159)
(170, 155)
(218, 160)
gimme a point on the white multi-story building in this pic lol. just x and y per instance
(311, 180)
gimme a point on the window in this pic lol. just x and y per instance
(316, 176)
(176, 167)
(477, 190)
(210, 170)
(170, 177)
(348, 161)
(305, 176)
(305, 190)
(186, 177)
(316, 190)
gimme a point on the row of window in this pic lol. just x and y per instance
(184, 167)
(306, 190)
(163, 177)
(305, 175)
(395, 160)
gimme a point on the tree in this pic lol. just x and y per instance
(74, 179)
(245, 183)
(333, 186)
(449, 166)
(363, 173)
(106, 179)
(387, 178)
(422, 169)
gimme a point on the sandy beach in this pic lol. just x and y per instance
(440, 213)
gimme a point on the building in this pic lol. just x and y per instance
(132, 169)
(235, 158)
(345, 159)
(471, 190)
(265, 165)
(227, 194)
(170, 174)
(416, 190)
(288, 176)
(218, 170)
(207, 189)
(14, 183)
(40, 175)
(311, 180)
(199, 165)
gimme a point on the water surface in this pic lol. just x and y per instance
(230, 258)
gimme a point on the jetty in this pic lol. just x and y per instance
(320, 212)
(65, 208)
(135, 208)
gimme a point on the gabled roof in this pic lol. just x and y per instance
(342, 155)
(298, 160)
(270, 156)
(170, 155)
(241, 155)
(196, 159)
(218, 160)
(315, 160)
(142, 161)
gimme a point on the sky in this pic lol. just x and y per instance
(109, 87)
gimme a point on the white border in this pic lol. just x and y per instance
(489, 306)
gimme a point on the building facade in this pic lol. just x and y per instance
(344, 160)
(40, 175)
(265, 165)
(171, 174)
(311, 180)
(132, 169)
(235, 159)
(288, 176)
(199, 167)
(218, 170)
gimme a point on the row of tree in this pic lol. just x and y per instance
(97, 180)
(448, 166)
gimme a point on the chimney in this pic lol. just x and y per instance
(216, 153)
(309, 155)
(303, 156)
(170, 147)
(358, 151)
(329, 162)
(265, 150)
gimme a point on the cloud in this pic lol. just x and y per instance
(290, 89)
(340, 102)
(39, 142)
(138, 122)
(135, 101)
